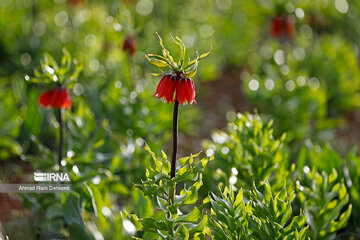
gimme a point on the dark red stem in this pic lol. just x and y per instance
(61, 141)
(175, 138)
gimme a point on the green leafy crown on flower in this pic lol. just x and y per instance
(167, 61)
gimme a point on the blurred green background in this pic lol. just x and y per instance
(307, 80)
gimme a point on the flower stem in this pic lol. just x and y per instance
(174, 153)
(175, 138)
(61, 141)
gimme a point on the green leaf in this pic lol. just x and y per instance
(182, 50)
(193, 217)
(166, 54)
(150, 223)
(71, 209)
(198, 227)
(157, 63)
(135, 220)
(343, 220)
(239, 198)
(182, 232)
(191, 72)
(119, 188)
(268, 192)
(204, 54)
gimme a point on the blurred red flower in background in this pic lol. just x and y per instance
(75, 2)
(56, 98)
(129, 45)
(282, 25)
(183, 88)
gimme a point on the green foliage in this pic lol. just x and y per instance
(228, 220)
(265, 215)
(309, 94)
(66, 73)
(166, 60)
(337, 70)
(73, 217)
(89, 215)
(325, 159)
(323, 197)
(177, 216)
(321, 158)
(249, 149)
(301, 104)
(10, 120)
(352, 177)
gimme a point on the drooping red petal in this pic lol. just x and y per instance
(185, 91)
(63, 99)
(290, 26)
(181, 91)
(56, 98)
(166, 88)
(170, 89)
(68, 101)
(129, 45)
(191, 89)
(190, 97)
(44, 99)
(276, 27)
(160, 87)
(59, 98)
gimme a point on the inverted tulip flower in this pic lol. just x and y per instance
(129, 45)
(57, 78)
(183, 88)
(57, 98)
(282, 26)
(176, 84)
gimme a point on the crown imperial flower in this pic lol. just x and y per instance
(55, 98)
(282, 25)
(129, 45)
(177, 85)
(184, 88)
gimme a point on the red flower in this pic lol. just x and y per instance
(183, 88)
(75, 2)
(276, 27)
(282, 26)
(56, 98)
(290, 26)
(129, 44)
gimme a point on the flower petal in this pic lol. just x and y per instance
(56, 98)
(44, 99)
(166, 88)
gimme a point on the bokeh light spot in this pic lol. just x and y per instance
(269, 84)
(279, 57)
(254, 85)
(314, 84)
(301, 80)
(61, 18)
(129, 227)
(342, 6)
(144, 7)
(290, 85)
(300, 13)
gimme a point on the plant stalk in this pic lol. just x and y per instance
(61, 141)
(175, 138)
(174, 153)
